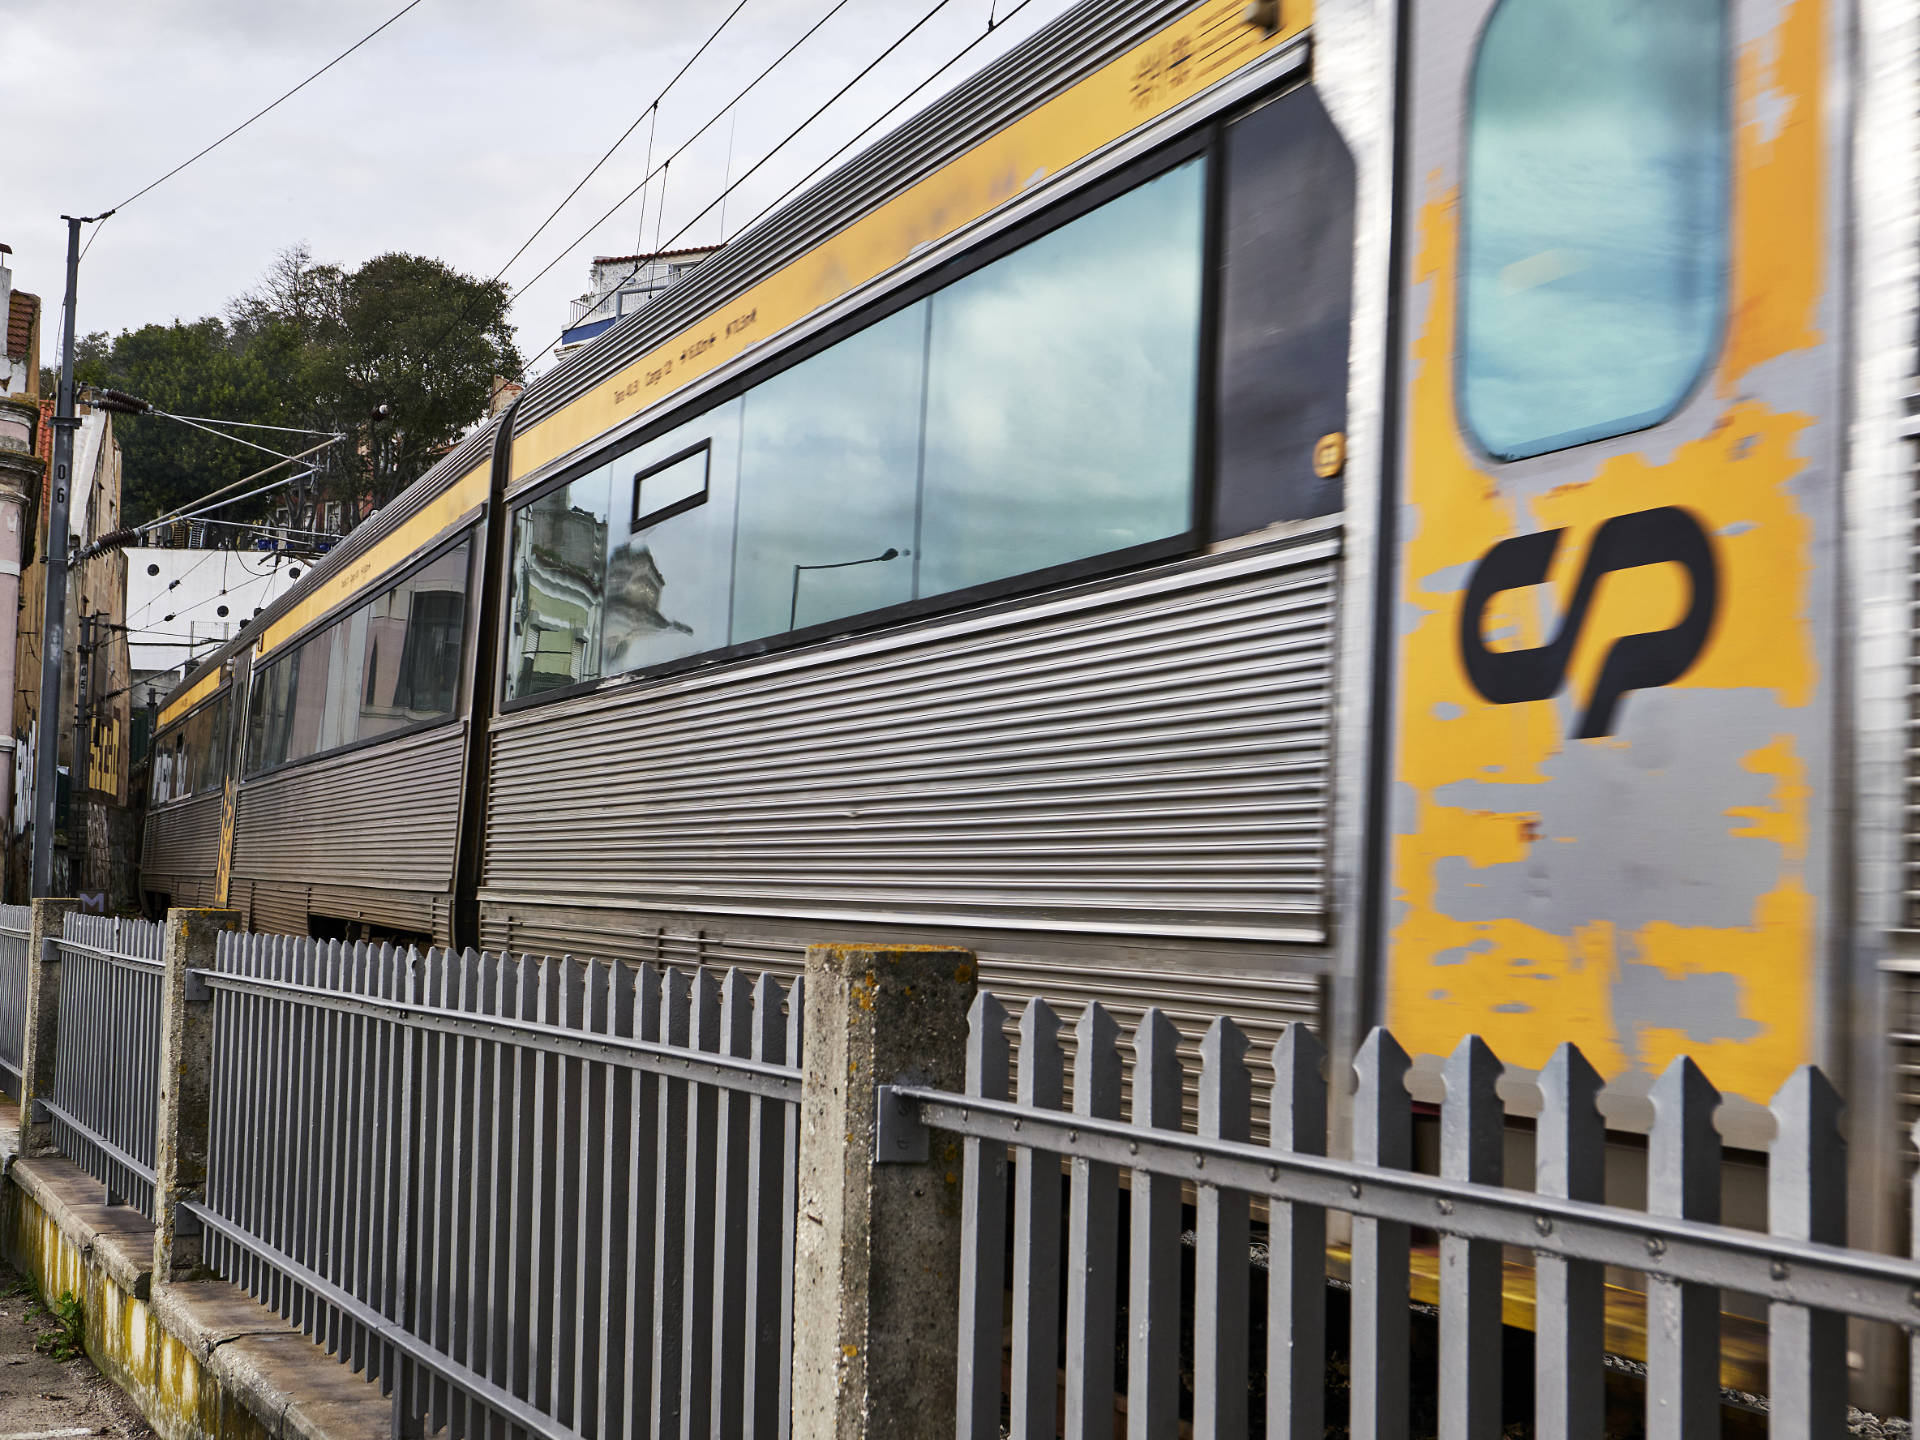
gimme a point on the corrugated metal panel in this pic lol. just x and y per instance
(385, 818)
(1146, 757)
(1263, 1000)
(1071, 47)
(279, 909)
(181, 840)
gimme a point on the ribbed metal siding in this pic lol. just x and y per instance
(182, 840)
(1262, 1000)
(383, 818)
(1143, 758)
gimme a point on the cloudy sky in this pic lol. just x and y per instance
(452, 134)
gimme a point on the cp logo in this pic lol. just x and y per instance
(1667, 536)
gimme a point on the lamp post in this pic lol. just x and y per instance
(793, 609)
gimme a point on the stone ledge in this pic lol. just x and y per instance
(114, 1237)
(199, 1357)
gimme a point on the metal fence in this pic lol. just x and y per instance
(16, 930)
(528, 1196)
(1124, 1346)
(107, 1058)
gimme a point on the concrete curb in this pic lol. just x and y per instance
(200, 1358)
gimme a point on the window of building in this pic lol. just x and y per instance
(1595, 248)
(383, 667)
(1039, 411)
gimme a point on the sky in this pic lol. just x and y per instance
(451, 134)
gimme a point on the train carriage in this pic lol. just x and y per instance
(1362, 513)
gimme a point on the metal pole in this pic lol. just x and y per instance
(54, 615)
(79, 755)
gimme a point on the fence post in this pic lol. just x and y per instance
(43, 1024)
(186, 1075)
(877, 1258)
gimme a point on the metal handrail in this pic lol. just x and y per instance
(113, 957)
(95, 1138)
(1795, 1272)
(390, 1331)
(752, 1077)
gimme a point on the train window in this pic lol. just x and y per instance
(1038, 411)
(666, 581)
(1595, 244)
(1061, 392)
(385, 666)
(670, 486)
(559, 562)
(829, 470)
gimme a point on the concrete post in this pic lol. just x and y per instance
(186, 1075)
(877, 1248)
(43, 1024)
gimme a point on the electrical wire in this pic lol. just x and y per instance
(891, 110)
(713, 120)
(258, 114)
(652, 109)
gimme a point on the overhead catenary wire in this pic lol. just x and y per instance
(893, 109)
(257, 115)
(685, 145)
(652, 109)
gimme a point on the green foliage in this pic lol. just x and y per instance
(68, 1337)
(398, 355)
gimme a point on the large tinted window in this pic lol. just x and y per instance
(1061, 393)
(829, 474)
(191, 759)
(389, 664)
(1595, 255)
(1038, 411)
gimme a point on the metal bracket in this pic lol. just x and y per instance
(199, 992)
(50, 950)
(899, 1135)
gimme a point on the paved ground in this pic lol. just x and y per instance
(43, 1398)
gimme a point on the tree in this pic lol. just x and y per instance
(399, 356)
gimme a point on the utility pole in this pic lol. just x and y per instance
(46, 769)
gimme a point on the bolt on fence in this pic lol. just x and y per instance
(1809, 1281)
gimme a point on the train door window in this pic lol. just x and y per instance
(345, 643)
(1595, 246)
(270, 713)
(1062, 391)
(829, 474)
(667, 567)
(559, 565)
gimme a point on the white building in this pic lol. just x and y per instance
(182, 604)
(618, 285)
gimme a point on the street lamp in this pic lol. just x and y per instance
(793, 610)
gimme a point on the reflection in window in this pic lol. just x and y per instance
(667, 575)
(1038, 411)
(829, 467)
(1061, 393)
(391, 663)
(559, 556)
(1595, 249)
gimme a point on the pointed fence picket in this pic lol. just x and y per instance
(16, 932)
(1810, 1282)
(529, 1197)
(106, 1085)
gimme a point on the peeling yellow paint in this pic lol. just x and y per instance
(1523, 987)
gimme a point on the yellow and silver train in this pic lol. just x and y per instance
(1359, 511)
